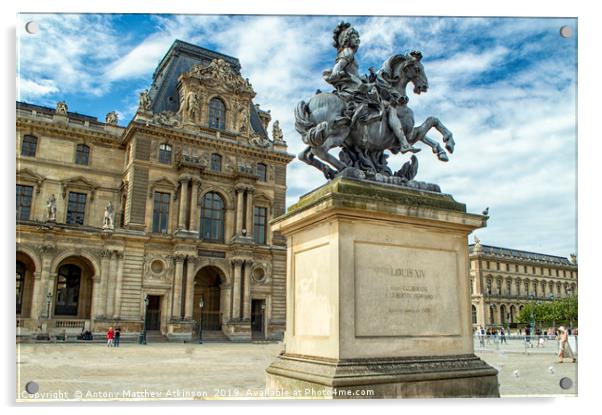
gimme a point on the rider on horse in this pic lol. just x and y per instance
(358, 93)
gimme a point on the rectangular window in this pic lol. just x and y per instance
(76, 208)
(82, 155)
(24, 194)
(216, 162)
(161, 212)
(29, 146)
(259, 224)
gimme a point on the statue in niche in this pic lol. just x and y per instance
(51, 208)
(243, 119)
(192, 106)
(108, 218)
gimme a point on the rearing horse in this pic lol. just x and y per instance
(323, 126)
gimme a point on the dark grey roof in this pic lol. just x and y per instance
(50, 111)
(181, 57)
(524, 255)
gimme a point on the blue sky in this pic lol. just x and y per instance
(506, 88)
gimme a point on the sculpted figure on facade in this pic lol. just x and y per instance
(112, 118)
(51, 208)
(61, 108)
(243, 119)
(277, 135)
(108, 217)
(192, 106)
(145, 101)
(366, 116)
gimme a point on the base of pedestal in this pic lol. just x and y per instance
(458, 376)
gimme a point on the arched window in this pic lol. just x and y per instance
(262, 172)
(165, 153)
(82, 154)
(216, 162)
(67, 290)
(474, 315)
(217, 114)
(20, 284)
(212, 218)
(29, 146)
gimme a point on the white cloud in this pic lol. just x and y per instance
(28, 89)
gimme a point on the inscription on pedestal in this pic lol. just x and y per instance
(411, 292)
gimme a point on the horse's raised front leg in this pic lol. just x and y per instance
(419, 133)
(437, 149)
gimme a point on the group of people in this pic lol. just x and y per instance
(113, 337)
(561, 335)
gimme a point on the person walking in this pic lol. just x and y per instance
(564, 348)
(481, 336)
(503, 336)
(117, 336)
(110, 337)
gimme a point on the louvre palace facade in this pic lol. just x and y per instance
(503, 280)
(163, 222)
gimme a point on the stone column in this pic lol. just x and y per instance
(183, 202)
(246, 298)
(226, 302)
(236, 289)
(177, 287)
(40, 287)
(118, 285)
(249, 221)
(239, 209)
(189, 306)
(104, 281)
(111, 282)
(194, 206)
(51, 289)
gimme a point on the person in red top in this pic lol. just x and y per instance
(110, 337)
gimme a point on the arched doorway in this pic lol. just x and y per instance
(503, 315)
(474, 315)
(25, 268)
(207, 286)
(512, 314)
(73, 288)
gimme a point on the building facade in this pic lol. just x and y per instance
(164, 222)
(503, 280)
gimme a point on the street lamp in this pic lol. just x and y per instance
(142, 336)
(201, 305)
(263, 319)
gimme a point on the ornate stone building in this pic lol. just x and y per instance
(503, 280)
(173, 209)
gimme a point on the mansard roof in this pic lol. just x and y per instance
(520, 255)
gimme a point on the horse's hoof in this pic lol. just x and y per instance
(442, 156)
(449, 143)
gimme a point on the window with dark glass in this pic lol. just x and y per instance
(67, 290)
(259, 224)
(76, 208)
(217, 114)
(212, 218)
(82, 154)
(474, 315)
(161, 212)
(216, 162)
(20, 284)
(165, 154)
(24, 194)
(262, 172)
(29, 146)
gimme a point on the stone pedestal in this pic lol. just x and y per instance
(378, 302)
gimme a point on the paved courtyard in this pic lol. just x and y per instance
(215, 370)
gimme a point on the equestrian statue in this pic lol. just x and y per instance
(367, 115)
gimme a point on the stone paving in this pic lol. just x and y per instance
(91, 371)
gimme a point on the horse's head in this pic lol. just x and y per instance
(413, 71)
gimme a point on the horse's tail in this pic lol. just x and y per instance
(311, 134)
